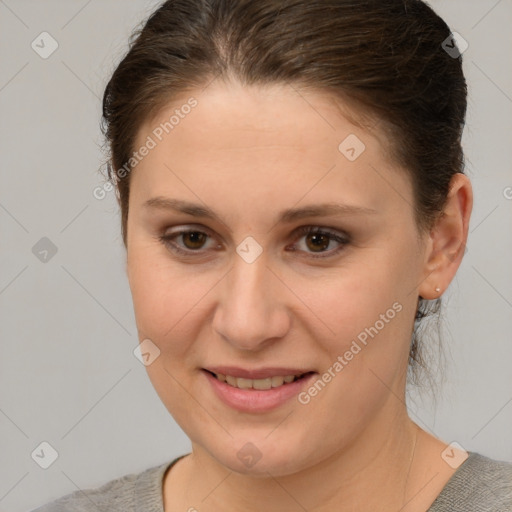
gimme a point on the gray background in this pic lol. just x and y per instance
(68, 375)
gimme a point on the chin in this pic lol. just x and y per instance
(260, 457)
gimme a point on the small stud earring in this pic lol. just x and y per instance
(438, 289)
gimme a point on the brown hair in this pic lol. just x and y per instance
(384, 56)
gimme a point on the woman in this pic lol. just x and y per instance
(290, 178)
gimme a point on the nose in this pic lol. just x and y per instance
(251, 312)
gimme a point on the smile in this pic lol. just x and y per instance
(257, 391)
(260, 384)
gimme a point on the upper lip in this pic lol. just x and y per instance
(258, 373)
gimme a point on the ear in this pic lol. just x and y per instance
(446, 242)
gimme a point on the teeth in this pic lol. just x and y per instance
(277, 381)
(261, 384)
(244, 383)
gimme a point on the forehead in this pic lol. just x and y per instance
(274, 140)
(229, 116)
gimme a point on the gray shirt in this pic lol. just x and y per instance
(480, 484)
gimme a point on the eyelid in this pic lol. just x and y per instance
(167, 238)
(339, 236)
(314, 228)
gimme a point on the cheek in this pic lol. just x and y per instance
(366, 354)
(365, 315)
(166, 304)
(352, 299)
(162, 296)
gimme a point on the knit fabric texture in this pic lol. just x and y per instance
(480, 484)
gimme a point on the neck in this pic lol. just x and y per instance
(373, 473)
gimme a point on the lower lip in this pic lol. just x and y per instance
(255, 400)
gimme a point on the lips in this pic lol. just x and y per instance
(257, 391)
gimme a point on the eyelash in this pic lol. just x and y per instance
(342, 238)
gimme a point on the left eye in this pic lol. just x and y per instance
(316, 240)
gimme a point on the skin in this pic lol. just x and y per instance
(248, 153)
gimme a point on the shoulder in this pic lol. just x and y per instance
(480, 484)
(123, 494)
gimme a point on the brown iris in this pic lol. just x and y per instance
(319, 241)
(196, 238)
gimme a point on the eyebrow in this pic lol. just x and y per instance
(286, 216)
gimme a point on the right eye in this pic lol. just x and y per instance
(192, 241)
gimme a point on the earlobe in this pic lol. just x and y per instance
(447, 239)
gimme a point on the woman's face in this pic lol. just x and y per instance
(249, 294)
